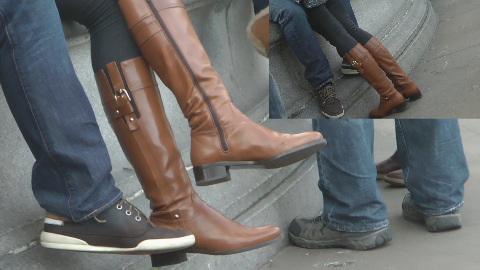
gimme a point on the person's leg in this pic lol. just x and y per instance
(147, 140)
(71, 175)
(353, 211)
(351, 14)
(106, 27)
(403, 84)
(299, 35)
(328, 25)
(222, 136)
(276, 108)
(434, 166)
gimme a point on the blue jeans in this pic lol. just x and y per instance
(299, 35)
(432, 157)
(276, 108)
(71, 175)
(350, 12)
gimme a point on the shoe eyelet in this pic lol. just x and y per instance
(128, 212)
(137, 218)
(119, 207)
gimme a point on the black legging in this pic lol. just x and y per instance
(331, 20)
(109, 35)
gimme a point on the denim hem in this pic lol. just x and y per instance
(100, 209)
(438, 212)
(352, 228)
(317, 89)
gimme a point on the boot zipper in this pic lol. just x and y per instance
(189, 69)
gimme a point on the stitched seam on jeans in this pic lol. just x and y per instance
(405, 172)
(33, 114)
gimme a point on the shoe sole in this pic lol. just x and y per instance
(443, 223)
(349, 71)
(219, 172)
(415, 96)
(235, 251)
(398, 109)
(333, 116)
(370, 241)
(399, 182)
(56, 241)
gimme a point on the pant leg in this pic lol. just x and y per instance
(71, 175)
(299, 35)
(276, 108)
(351, 14)
(331, 20)
(433, 162)
(109, 35)
(258, 5)
(347, 173)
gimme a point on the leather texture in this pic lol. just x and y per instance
(395, 73)
(366, 65)
(149, 145)
(219, 131)
(389, 165)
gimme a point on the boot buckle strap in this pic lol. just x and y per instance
(120, 94)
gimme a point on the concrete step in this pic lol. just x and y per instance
(405, 27)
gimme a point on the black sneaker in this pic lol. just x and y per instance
(329, 103)
(121, 228)
(347, 68)
(313, 233)
(440, 223)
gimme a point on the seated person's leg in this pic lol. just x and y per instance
(299, 35)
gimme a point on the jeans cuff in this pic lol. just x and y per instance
(438, 212)
(354, 228)
(323, 84)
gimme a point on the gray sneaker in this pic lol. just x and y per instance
(448, 221)
(313, 233)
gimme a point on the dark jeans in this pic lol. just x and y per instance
(332, 21)
(71, 175)
(299, 35)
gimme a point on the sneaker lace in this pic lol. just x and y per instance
(328, 93)
(119, 206)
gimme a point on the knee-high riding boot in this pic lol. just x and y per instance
(135, 111)
(390, 100)
(395, 73)
(221, 135)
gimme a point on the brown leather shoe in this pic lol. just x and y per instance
(390, 100)
(389, 165)
(147, 140)
(395, 178)
(395, 73)
(222, 137)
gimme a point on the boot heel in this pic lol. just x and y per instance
(415, 96)
(169, 258)
(211, 174)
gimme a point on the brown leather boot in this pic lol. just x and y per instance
(221, 135)
(387, 166)
(390, 100)
(147, 140)
(395, 73)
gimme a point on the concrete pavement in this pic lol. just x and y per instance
(412, 246)
(448, 74)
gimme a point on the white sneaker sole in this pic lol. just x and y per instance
(56, 241)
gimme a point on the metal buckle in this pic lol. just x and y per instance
(120, 94)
